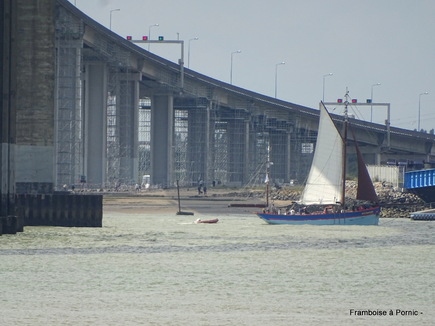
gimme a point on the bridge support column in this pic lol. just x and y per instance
(198, 144)
(68, 118)
(287, 157)
(128, 129)
(162, 131)
(280, 156)
(32, 76)
(247, 142)
(378, 157)
(209, 152)
(255, 157)
(96, 124)
(236, 151)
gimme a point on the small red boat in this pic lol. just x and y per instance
(215, 220)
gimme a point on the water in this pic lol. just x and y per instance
(160, 269)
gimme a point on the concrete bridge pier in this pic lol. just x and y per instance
(247, 142)
(111, 124)
(210, 143)
(280, 156)
(32, 76)
(68, 112)
(95, 123)
(198, 144)
(162, 133)
(127, 117)
(378, 157)
(237, 150)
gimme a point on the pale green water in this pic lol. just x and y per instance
(162, 270)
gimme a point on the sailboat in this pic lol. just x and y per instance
(324, 192)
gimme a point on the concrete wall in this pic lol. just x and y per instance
(58, 209)
(391, 174)
(61, 209)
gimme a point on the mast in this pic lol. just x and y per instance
(346, 123)
(178, 195)
(267, 189)
(268, 164)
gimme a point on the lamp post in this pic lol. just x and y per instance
(371, 99)
(324, 76)
(110, 24)
(231, 70)
(188, 50)
(276, 76)
(149, 34)
(419, 105)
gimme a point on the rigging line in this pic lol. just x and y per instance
(357, 113)
(367, 131)
(253, 177)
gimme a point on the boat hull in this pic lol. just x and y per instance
(361, 217)
(215, 220)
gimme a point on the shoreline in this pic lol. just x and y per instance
(394, 203)
(166, 201)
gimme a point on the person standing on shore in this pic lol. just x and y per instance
(200, 183)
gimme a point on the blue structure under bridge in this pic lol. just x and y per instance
(421, 183)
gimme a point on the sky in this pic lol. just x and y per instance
(361, 42)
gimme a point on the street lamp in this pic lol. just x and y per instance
(276, 75)
(371, 101)
(231, 71)
(419, 105)
(149, 34)
(188, 51)
(324, 76)
(110, 24)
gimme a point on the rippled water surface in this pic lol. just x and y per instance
(144, 269)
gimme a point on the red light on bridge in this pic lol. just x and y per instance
(144, 38)
(339, 100)
(129, 38)
(354, 100)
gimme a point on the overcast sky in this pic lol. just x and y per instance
(361, 42)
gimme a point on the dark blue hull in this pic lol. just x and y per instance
(362, 217)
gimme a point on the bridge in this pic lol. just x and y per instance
(82, 105)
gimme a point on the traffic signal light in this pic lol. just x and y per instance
(354, 100)
(144, 38)
(339, 100)
(161, 38)
(129, 38)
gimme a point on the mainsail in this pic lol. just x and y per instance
(325, 180)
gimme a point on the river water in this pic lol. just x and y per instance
(161, 269)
